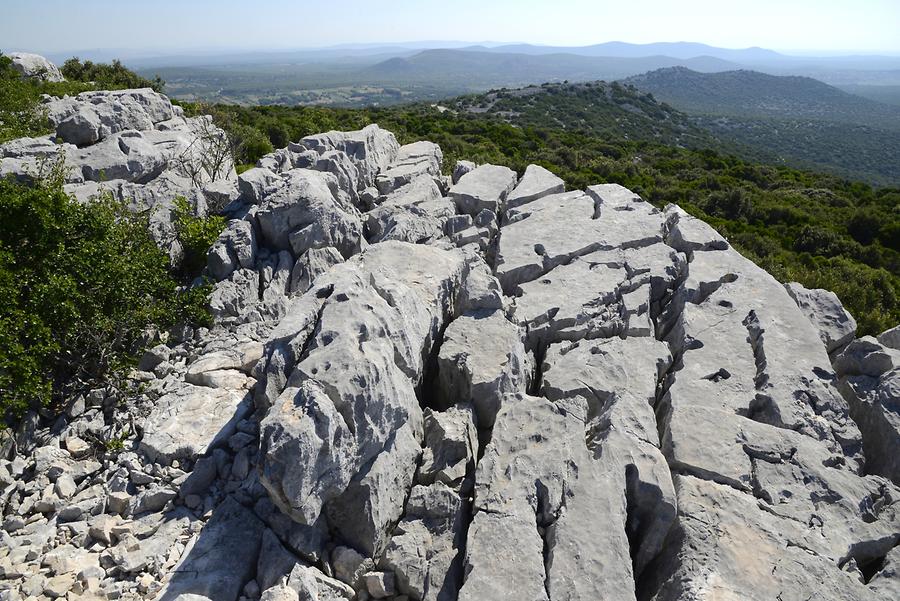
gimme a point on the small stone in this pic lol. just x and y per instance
(77, 447)
(118, 502)
(144, 582)
(349, 565)
(140, 478)
(13, 523)
(241, 466)
(58, 586)
(153, 499)
(100, 528)
(64, 487)
(240, 440)
(380, 584)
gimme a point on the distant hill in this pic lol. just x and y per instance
(793, 120)
(601, 109)
(751, 94)
(477, 68)
(680, 50)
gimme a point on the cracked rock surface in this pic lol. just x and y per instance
(478, 388)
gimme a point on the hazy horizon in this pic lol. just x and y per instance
(823, 27)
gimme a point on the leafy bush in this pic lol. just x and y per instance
(107, 77)
(19, 114)
(196, 235)
(80, 283)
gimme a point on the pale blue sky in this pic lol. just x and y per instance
(60, 25)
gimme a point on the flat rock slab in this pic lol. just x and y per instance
(536, 183)
(192, 421)
(221, 559)
(486, 187)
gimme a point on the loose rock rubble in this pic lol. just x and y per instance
(479, 388)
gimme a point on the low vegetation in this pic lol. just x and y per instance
(114, 76)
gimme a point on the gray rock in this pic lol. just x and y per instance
(380, 584)
(254, 184)
(35, 66)
(686, 233)
(823, 308)
(875, 407)
(866, 357)
(350, 567)
(481, 360)
(890, 338)
(92, 116)
(235, 248)
(483, 188)
(304, 213)
(347, 403)
(221, 558)
(311, 264)
(451, 446)
(275, 562)
(191, 421)
(536, 183)
(412, 161)
(460, 169)
(370, 149)
(310, 583)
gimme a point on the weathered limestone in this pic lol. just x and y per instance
(192, 421)
(536, 183)
(823, 308)
(304, 213)
(370, 149)
(222, 557)
(412, 161)
(379, 315)
(35, 65)
(481, 360)
(498, 392)
(485, 187)
(870, 381)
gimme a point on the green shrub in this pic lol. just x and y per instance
(80, 284)
(108, 77)
(196, 235)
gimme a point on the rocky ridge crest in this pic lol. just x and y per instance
(477, 387)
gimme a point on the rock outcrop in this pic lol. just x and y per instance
(477, 388)
(135, 146)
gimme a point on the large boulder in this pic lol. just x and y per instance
(305, 213)
(92, 116)
(35, 66)
(346, 430)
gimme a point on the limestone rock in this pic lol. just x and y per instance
(481, 360)
(536, 183)
(304, 213)
(192, 421)
(221, 558)
(823, 308)
(485, 187)
(92, 116)
(35, 66)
